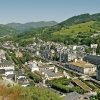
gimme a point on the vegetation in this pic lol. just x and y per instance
(7, 57)
(98, 94)
(27, 93)
(91, 86)
(62, 85)
(76, 30)
(34, 77)
(5, 30)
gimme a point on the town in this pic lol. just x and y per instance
(59, 68)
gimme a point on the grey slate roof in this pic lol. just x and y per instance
(11, 76)
(2, 71)
(5, 63)
(51, 73)
(72, 96)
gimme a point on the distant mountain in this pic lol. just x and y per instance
(27, 26)
(6, 30)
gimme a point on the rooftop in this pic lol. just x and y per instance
(51, 73)
(46, 66)
(82, 64)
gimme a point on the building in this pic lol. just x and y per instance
(46, 67)
(33, 66)
(82, 67)
(98, 72)
(92, 59)
(48, 72)
(6, 67)
(18, 54)
(4, 64)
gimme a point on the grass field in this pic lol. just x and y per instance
(83, 27)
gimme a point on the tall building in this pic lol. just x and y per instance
(98, 72)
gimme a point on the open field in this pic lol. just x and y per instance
(83, 27)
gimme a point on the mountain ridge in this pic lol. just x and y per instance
(28, 25)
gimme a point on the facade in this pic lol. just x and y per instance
(46, 67)
(48, 72)
(6, 68)
(33, 66)
(82, 67)
(9, 72)
(4, 64)
(98, 73)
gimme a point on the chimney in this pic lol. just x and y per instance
(15, 78)
(81, 59)
(75, 60)
(56, 70)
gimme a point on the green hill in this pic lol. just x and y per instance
(80, 19)
(5, 30)
(83, 27)
(27, 26)
(75, 30)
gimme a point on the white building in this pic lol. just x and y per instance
(33, 66)
(82, 67)
(4, 64)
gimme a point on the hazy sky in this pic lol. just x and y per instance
(23, 11)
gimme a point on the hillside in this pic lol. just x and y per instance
(5, 30)
(27, 93)
(75, 30)
(80, 19)
(83, 27)
(26, 26)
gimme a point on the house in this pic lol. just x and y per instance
(82, 66)
(5, 64)
(33, 66)
(48, 72)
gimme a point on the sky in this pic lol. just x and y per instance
(23, 11)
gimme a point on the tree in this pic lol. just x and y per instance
(98, 95)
